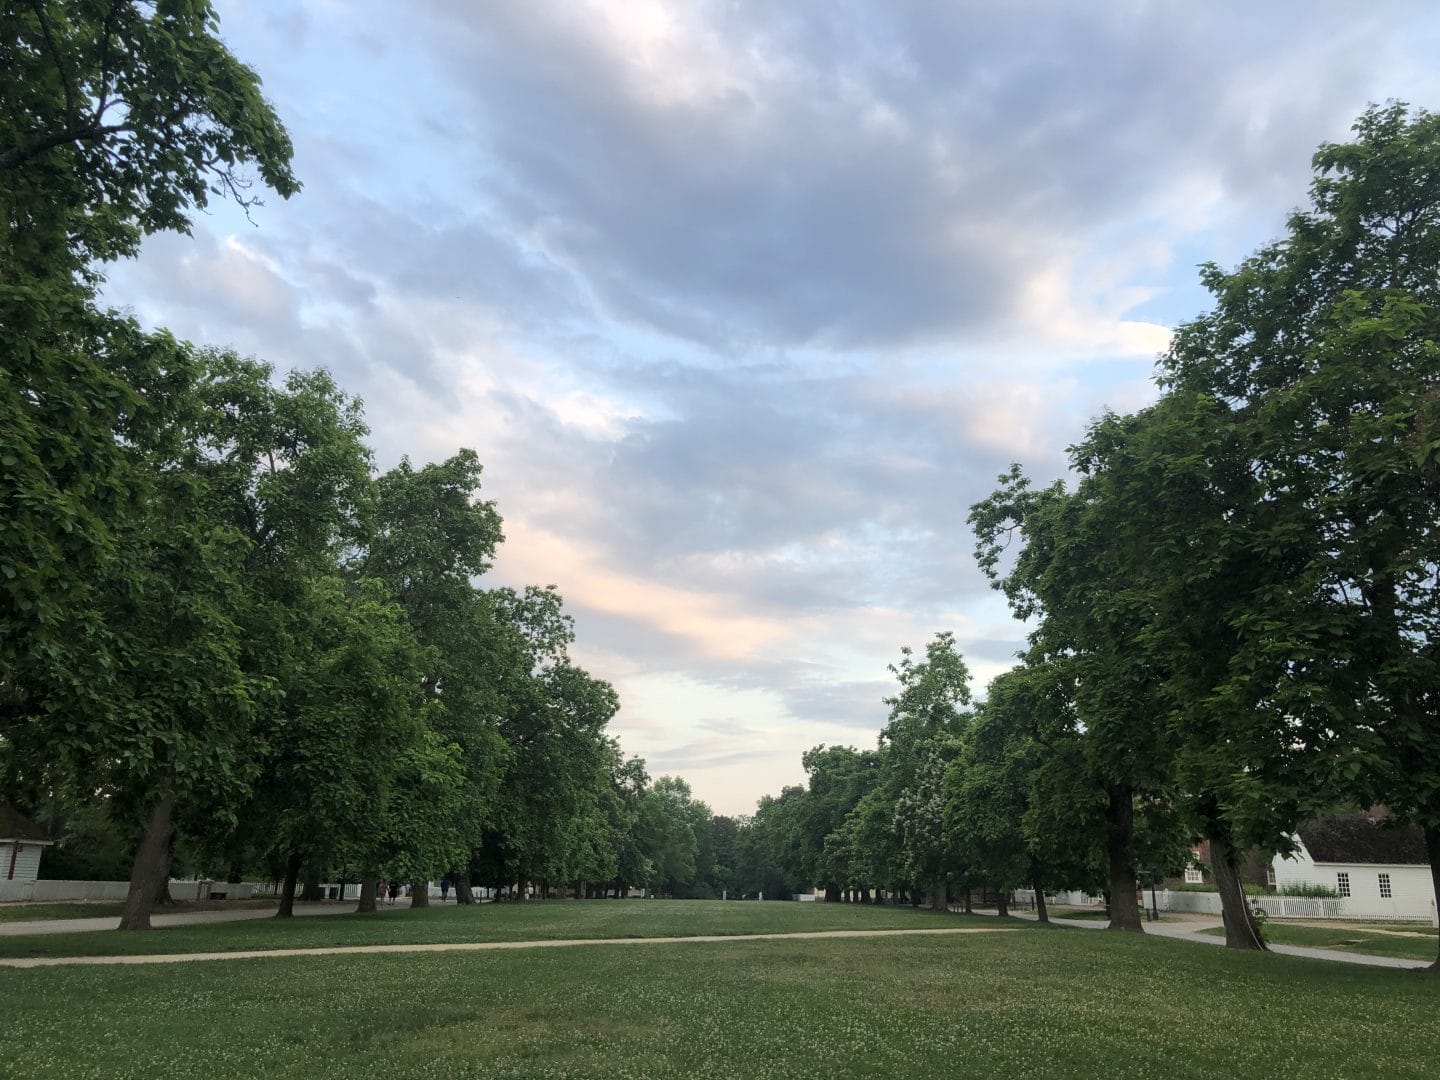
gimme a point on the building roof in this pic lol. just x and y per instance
(16, 826)
(1354, 838)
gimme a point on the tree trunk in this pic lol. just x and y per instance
(287, 891)
(369, 887)
(1432, 848)
(162, 885)
(880, 897)
(832, 893)
(311, 893)
(1037, 881)
(419, 894)
(151, 864)
(1119, 832)
(464, 893)
(1002, 903)
(1241, 929)
(969, 901)
(939, 898)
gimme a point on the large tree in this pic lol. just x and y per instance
(1323, 346)
(434, 535)
(1074, 579)
(117, 120)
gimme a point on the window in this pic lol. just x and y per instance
(1384, 886)
(1342, 883)
(1270, 876)
(1193, 876)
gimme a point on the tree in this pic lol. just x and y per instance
(1323, 346)
(927, 716)
(433, 536)
(333, 766)
(1075, 578)
(987, 793)
(839, 777)
(119, 120)
(115, 122)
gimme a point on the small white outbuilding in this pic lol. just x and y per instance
(21, 842)
(1380, 871)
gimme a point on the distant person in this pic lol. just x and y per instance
(381, 890)
(444, 889)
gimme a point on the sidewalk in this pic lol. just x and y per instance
(1189, 927)
(190, 918)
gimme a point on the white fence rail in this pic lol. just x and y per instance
(1208, 903)
(116, 890)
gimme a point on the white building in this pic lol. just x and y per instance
(21, 843)
(1380, 872)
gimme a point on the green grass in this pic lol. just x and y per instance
(1033, 1002)
(491, 922)
(1357, 939)
(47, 912)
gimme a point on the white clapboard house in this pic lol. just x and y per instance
(21, 842)
(1380, 871)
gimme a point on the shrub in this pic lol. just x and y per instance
(1308, 888)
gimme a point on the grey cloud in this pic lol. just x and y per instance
(774, 214)
(786, 459)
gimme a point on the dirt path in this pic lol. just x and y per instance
(479, 946)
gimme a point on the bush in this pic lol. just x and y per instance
(1308, 888)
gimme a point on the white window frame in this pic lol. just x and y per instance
(1387, 892)
(1193, 876)
(1342, 883)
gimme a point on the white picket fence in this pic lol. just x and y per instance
(116, 890)
(1208, 903)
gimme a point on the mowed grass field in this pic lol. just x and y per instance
(532, 921)
(1030, 1002)
(59, 910)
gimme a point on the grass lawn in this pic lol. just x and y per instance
(1034, 1002)
(493, 922)
(67, 910)
(1357, 939)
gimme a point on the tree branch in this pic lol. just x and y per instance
(107, 30)
(71, 106)
(19, 155)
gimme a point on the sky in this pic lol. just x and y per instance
(744, 303)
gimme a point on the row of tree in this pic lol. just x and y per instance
(958, 796)
(1235, 606)
(221, 630)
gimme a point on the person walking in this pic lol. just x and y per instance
(444, 889)
(381, 889)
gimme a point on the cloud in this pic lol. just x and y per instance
(744, 305)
